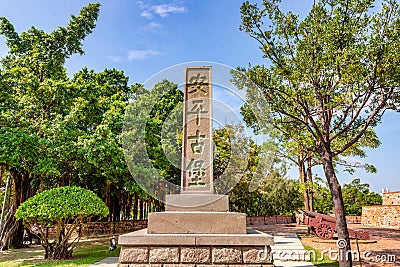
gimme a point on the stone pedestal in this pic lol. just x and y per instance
(188, 222)
(197, 202)
(140, 249)
(197, 238)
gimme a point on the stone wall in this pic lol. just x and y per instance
(104, 228)
(381, 216)
(353, 219)
(121, 227)
(387, 215)
(261, 220)
(391, 198)
(190, 256)
(111, 228)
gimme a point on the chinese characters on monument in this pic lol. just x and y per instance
(197, 131)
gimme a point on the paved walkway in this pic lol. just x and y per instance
(279, 263)
(107, 262)
(287, 252)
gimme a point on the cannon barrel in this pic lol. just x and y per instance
(316, 214)
(325, 225)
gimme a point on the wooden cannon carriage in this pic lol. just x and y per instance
(324, 226)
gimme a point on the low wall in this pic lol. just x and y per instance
(260, 220)
(381, 216)
(104, 228)
(353, 219)
(121, 227)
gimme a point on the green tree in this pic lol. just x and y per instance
(153, 123)
(255, 193)
(155, 144)
(287, 148)
(66, 208)
(56, 130)
(88, 136)
(34, 91)
(322, 196)
(276, 195)
(331, 75)
(356, 195)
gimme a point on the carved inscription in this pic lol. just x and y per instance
(197, 135)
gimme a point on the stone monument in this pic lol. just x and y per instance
(197, 228)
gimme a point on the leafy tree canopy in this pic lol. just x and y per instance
(67, 207)
(328, 79)
(61, 203)
(355, 196)
(331, 76)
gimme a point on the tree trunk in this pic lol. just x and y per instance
(310, 180)
(108, 201)
(303, 180)
(344, 248)
(13, 231)
(116, 205)
(9, 229)
(135, 206)
(128, 206)
(141, 210)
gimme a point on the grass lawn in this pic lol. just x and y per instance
(87, 252)
(325, 262)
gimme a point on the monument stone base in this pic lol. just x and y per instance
(201, 233)
(199, 222)
(140, 249)
(197, 202)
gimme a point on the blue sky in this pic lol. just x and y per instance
(144, 37)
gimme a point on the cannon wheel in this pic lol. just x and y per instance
(324, 230)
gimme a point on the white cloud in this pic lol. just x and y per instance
(141, 5)
(162, 10)
(154, 25)
(141, 54)
(146, 14)
(352, 161)
(114, 59)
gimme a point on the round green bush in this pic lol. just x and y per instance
(61, 203)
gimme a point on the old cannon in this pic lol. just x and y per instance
(324, 226)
